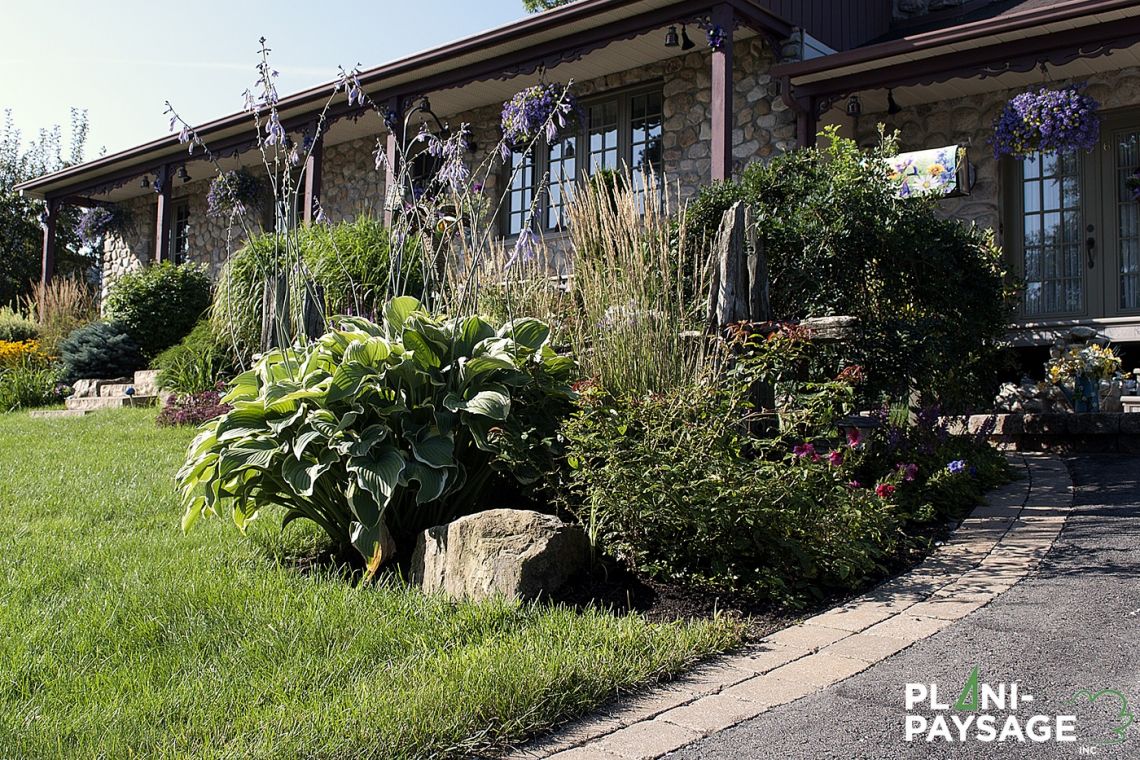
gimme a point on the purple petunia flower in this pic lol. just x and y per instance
(957, 467)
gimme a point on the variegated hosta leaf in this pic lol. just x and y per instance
(362, 427)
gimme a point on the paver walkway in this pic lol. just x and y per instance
(784, 699)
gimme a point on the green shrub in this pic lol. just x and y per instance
(348, 267)
(158, 306)
(197, 363)
(15, 327)
(381, 431)
(669, 485)
(100, 350)
(31, 382)
(928, 292)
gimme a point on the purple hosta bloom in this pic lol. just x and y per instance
(274, 131)
(909, 471)
(1049, 121)
(524, 248)
(248, 103)
(350, 82)
(957, 467)
(453, 169)
(542, 110)
(806, 451)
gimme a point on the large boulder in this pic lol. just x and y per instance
(518, 554)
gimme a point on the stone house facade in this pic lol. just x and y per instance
(654, 90)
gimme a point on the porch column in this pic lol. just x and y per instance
(163, 216)
(314, 166)
(51, 220)
(722, 116)
(807, 123)
(392, 194)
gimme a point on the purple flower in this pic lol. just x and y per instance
(524, 248)
(835, 458)
(1049, 121)
(542, 110)
(274, 132)
(231, 192)
(957, 467)
(909, 472)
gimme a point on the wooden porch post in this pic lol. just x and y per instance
(722, 84)
(51, 220)
(163, 216)
(392, 194)
(314, 166)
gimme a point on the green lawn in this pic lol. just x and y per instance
(120, 637)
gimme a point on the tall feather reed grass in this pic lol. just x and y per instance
(60, 307)
(640, 300)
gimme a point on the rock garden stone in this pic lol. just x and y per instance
(518, 554)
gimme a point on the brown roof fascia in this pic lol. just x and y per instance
(940, 38)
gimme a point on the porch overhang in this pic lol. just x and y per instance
(1064, 35)
(518, 50)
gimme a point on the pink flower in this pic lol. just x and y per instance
(805, 450)
(854, 437)
(909, 471)
(884, 490)
(835, 458)
(854, 484)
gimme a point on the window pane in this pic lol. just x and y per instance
(1053, 240)
(520, 194)
(1128, 220)
(603, 120)
(563, 173)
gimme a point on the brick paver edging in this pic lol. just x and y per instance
(991, 550)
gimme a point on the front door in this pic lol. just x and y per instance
(1076, 230)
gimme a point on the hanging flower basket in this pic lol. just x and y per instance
(1047, 121)
(98, 222)
(545, 109)
(233, 192)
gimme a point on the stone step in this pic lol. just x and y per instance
(114, 390)
(116, 402)
(146, 382)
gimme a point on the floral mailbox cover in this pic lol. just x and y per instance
(938, 172)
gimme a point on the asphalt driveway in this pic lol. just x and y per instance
(1073, 625)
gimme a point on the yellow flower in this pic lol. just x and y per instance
(936, 169)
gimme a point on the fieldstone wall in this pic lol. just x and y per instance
(351, 184)
(969, 121)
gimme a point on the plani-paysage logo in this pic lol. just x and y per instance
(1003, 713)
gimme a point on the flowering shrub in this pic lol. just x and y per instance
(13, 353)
(1047, 121)
(193, 408)
(541, 110)
(233, 192)
(95, 223)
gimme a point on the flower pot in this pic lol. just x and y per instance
(1086, 395)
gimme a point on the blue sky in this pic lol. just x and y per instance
(121, 59)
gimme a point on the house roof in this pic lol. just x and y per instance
(545, 39)
(988, 39)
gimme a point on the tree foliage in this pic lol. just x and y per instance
(20, 232)
(538, 6)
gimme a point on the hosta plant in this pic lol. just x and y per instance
(378, 431)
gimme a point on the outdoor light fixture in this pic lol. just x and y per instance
(686, 43)
(854, 106)
(671, 38)
(892, 105)
(183, 174)
(568, 150)
(144, 183)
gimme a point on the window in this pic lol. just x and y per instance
(1051, 234)
(617, 131)
(180, 234)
